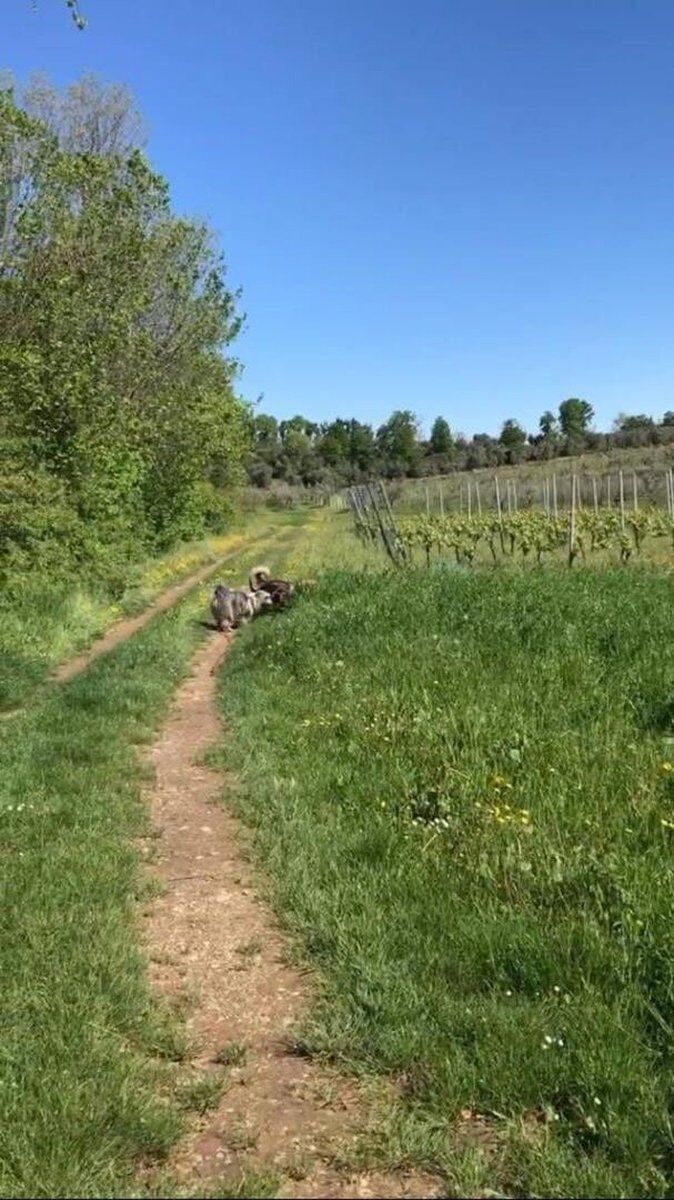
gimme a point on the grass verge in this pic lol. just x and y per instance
(83, 1040)
(462, 787)
(42, 623)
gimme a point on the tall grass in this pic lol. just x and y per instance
(79, 1101)
(43, 622)
(81, 1038)
(649, 463)
(463, 788)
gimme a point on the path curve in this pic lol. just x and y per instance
(125, 628)
(210, 938)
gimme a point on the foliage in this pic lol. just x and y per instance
(397, 441)
(535, 533)
(115, 399)
(513, 437)
(574, 417)
(339, 452)
(442, 441)
(548, 424)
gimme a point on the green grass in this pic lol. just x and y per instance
(201, 1093)
(232, 1054)
(457, 786)
(79, 1101)
(43, 622)
(84, 1096)
(649, 463)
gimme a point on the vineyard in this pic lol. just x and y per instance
(534, 534)
(507, 532)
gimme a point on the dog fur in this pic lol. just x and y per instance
(231, 607)
(280, 590)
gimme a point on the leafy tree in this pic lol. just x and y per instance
(335, 443)
(88, 117)
(362, 449)
(512, 435)
(114, 315)
(668, 418)
(397, 439)
(297, 424)
(638, 421)
(442, 441)
(575, 417)
(265, 430)
(548, 424)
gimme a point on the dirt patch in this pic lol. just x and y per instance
(213, 942)
(124, 629)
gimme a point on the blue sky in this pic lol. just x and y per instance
(459, 208)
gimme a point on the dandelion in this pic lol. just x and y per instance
(499, 781)
(666, 768)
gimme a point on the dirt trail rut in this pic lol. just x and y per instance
(212, 940)
(124, 629)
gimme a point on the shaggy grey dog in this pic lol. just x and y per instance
(233, 607)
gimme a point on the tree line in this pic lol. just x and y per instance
(120, 424)
(330, 454)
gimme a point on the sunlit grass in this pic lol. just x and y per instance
(462, 786)
(44, 622)
(83, 1095)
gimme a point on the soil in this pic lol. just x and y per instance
(215, 949)
(124, 629)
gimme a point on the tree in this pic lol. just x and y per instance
(512, 435)
(362, 449)
(297, 424)
(114, 324)
(442, 441)
(89, 117)
(625, 422)
(265, 430)
(575, 417)
(397, 439)
(335, 444)
(548, 424)
(668, 418)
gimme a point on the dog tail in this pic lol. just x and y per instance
(258, 576)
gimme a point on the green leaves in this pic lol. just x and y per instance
(114, 315)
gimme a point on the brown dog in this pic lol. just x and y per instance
(280, 590)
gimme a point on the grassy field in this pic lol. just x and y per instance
(85, 1081)
(42, 623)
(462, 787)
(649, 463)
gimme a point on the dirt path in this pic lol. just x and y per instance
(212, 941)
(124, 629)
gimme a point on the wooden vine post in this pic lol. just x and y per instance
(572, 522)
